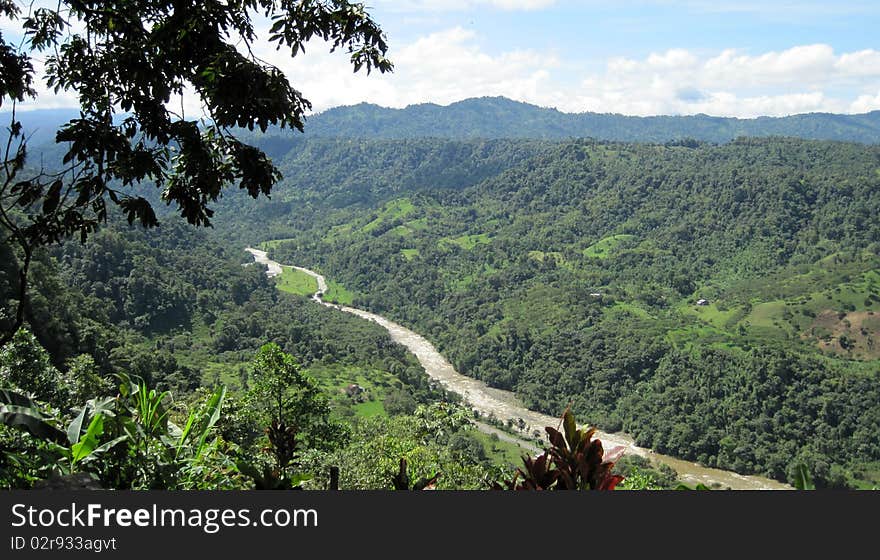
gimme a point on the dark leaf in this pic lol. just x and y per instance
(52, 198)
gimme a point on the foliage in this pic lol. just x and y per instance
(26, 365)
(574, 461)
(802, 479)
(401, 480)
(126, 441)
(399, 402)
(139, 56)
(640, 473)
(372, 460)
(290, 404)
(775, 233)
(84, 380)
(19, 411)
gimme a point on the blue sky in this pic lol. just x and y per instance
(634, 28)
(722, 58)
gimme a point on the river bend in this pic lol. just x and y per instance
(504, 405)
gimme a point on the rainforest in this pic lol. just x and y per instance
(510, 253)
(717, 302)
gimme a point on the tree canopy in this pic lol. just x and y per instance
(129, 62)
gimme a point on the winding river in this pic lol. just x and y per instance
(504, 404)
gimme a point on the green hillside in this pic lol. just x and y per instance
(498, 117)
(575, 275)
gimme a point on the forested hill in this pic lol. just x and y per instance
(498, 117)
(719, 303)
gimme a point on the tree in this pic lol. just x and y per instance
(129, 61)
(399, 401)
(25, 365)
(84, 379)
(290, 405)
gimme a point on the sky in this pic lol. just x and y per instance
(651, 57)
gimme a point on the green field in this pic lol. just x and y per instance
(393, 210)
(499, 451)
(336, 293)
(466, 242)
(632, 309)
(333, 380)
(293, 281)
(604, 248)
(336, 232)
(409, 254)
(214, 372)
(833, 302)
(408, 228)
(268, 245)
(369, 408)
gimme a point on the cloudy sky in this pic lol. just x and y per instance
(648, 57)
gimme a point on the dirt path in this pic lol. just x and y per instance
(504, 404)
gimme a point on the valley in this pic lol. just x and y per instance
(698, 298)
(504, 406)
(716, 303)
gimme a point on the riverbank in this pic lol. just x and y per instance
(504, 405)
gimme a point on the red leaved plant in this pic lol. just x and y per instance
(574, 461)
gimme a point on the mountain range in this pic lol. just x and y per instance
(499, 117)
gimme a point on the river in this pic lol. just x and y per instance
(504, 405)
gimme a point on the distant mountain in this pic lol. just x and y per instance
(498, 117)
(39, 125)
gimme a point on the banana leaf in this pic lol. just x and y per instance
(19, 411)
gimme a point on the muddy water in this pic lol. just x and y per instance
(504, 404)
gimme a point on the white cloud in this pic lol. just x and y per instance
(865, 103)
(441, 67)
(861, 63)
(801, 79)
(453, 64)
(46, 97)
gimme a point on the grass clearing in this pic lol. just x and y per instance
(409, 254)
(499, 451)
(699, 336)
(336, 293)
(721, 318)
(273, 243)
(631, 308)
(605, 247)
(225, 373)
(369, 409)
(394, 210)
(374, 386)
(466, 242)
(293, 281)
(336, 232)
